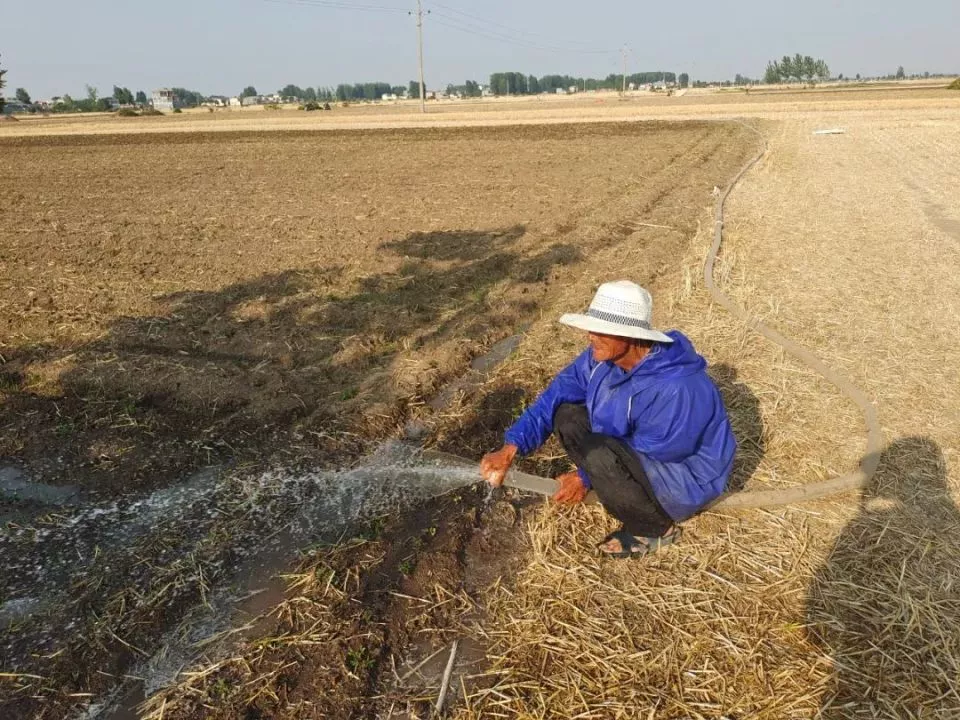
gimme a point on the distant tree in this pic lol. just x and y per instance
(858, 76)
(141, 97)
(533, 85)
(684, 80)
(92, 93)
(511, 83)
(123, 95)
(187, 98)
(310, 95)
(798, 66)
(3, 84)
(414, 89)
(472, 89)
(451, 90)
(293, 91)
(23, 96)
(249, 91)
(900, 73)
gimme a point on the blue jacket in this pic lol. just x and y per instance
(667, 409)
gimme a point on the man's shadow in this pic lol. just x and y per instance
(743, 409)
(885, 607)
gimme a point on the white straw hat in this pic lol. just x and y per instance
(620, 308)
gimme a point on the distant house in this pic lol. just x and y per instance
(235, 102)
(251, 100)
(164, 99)
(561, 91)
(14, 106)
(388, 96)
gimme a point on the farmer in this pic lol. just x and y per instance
(639, 417)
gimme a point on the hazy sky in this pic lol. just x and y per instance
(53, 47)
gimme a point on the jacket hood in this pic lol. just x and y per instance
(673, 360)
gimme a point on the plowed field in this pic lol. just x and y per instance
(173, 302)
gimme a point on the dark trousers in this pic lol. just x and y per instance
(614, 471)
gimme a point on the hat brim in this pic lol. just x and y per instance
(605, 327)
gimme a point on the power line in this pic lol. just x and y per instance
(457, 24)
(335, 5)
(512, 30)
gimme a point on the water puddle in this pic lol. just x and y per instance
(15, 486)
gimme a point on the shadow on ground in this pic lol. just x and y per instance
(743, 407)
(884, 609)
(287, 362)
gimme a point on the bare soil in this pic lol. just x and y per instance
(171, 303)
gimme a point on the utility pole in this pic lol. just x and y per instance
(624, 51)
(423, 94)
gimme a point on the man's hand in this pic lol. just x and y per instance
(571, 489)
(494, 465)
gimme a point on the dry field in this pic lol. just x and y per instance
(841, 609)
(174, 302)
(850, 244)
(539, 110)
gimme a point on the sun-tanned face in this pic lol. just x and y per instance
(609, 347)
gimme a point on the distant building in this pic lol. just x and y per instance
(251, 100)
(388, 96)
(14, 106)
(235, 102)
(164, 99)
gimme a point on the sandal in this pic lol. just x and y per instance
(634, 547)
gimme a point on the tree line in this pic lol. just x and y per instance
(515, 83)
(799, 67)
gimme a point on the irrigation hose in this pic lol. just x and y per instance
(871, 459)
(753, 498)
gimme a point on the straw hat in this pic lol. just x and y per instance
(620, 308)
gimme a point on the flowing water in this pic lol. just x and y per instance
(277, 515)
(271, 518)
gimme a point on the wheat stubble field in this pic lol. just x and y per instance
(307, 291)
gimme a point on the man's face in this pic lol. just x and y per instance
(607, 347)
